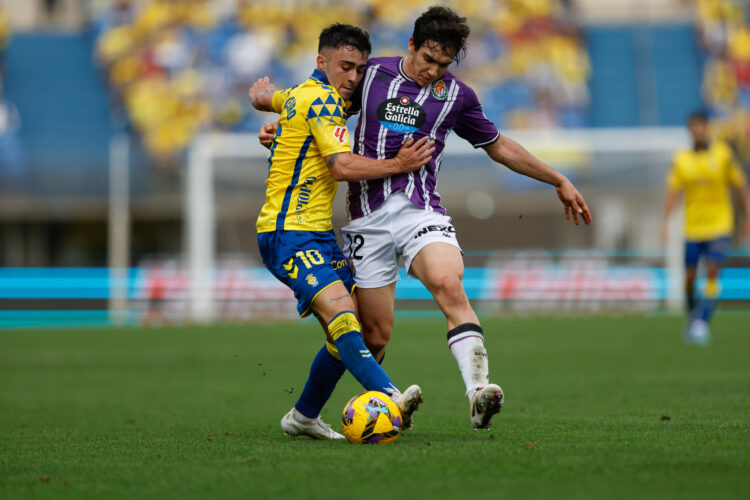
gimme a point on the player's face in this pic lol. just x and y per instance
(699, 130)
(344, 68)
(428, 63)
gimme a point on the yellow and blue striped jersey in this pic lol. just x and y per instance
(300, 188)
(706, 177)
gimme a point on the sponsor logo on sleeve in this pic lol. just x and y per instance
(341, 134)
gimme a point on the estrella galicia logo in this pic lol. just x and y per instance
(401, 114)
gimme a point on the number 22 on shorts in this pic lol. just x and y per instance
(355, 243)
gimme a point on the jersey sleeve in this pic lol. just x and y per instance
(472, 124)
(326, 118)
(279, 97)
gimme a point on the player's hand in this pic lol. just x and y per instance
(413, 155)
(267, 133)
(573, 202)
(261, 94)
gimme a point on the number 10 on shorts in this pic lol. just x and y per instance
(308, 257)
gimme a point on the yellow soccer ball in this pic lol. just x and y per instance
(371, 418)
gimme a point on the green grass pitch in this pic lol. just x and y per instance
(603, 407)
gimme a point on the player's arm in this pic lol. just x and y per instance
(740, 194)
(352, 167)
(738, 182)
(261, 95)
(671, 198)
(514, 156)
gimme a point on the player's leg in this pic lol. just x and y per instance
(325, 372)
(439, 266)
(279, 251)
(336, 307)
(369, 247)
(690, 274)
(310, 264)
(711, 290)
(693, 250)
(714, 257)
(376, 314)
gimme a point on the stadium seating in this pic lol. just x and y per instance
(724, 34)
(643, 76)
(10, 151)
(181, 67)
(176, 68)
(63, 106)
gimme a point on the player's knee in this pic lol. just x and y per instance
(377, 333)
(376, 345)
(449, 288)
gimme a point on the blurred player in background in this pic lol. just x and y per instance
(309, 154)
(416, 96)
(706, 174)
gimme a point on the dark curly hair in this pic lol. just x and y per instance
(442, 26)
(345, 35)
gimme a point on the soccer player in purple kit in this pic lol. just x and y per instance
(401, 98)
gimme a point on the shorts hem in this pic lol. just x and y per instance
(407, 264)
(375, 284)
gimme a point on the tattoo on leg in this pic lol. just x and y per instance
(336, 299)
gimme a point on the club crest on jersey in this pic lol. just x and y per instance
(341, 134)
(401, 115)
(439, 90)
(311, 280)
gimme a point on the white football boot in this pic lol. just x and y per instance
(296, 424)
(699, 332)
(408, 402)
(485, 403)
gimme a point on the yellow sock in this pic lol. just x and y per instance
(712, 289)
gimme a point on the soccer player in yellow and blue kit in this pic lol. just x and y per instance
(308, 155)
(705, 174)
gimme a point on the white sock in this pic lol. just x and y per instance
(466, 343)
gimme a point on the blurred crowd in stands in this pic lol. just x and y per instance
(724, 34)
(180, 67)
(10, 150)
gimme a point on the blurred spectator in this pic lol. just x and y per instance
(724, 35)
(178, 67)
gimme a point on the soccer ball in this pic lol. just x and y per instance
(371, 418)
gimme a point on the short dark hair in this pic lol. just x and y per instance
(442, 25)
(340, 35)
(700, 114)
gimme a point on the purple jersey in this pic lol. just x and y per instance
(393, 109)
